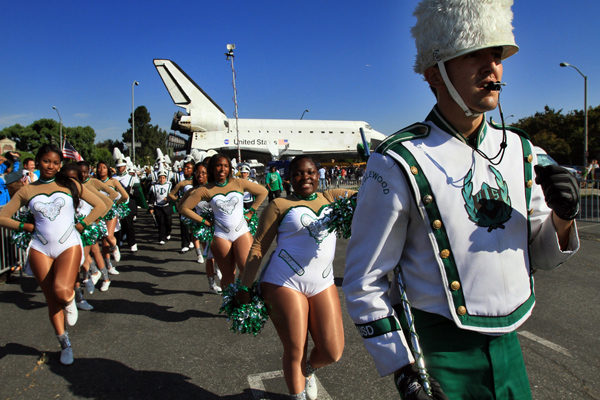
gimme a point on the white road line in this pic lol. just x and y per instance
(258, 388)
(545, 342)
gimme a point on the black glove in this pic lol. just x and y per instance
(561, 190)
(410, 388)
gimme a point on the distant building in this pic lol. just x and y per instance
(7, 145)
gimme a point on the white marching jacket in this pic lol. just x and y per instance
(465, 233)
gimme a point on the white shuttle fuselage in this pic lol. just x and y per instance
(209, 128)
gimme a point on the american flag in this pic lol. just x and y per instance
(70, 152)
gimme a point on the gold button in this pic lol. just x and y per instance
(529, 184)
(437, 224)
(530, 211)
(427, 199)
(414, 170)
(461, 310)
(455, 285)
(529, 158)
(445, 253)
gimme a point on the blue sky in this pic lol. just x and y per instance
(344, 60)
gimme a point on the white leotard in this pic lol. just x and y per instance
(229, 215)
(303, 258)
(54, 224)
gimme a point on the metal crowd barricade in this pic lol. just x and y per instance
(11, 257)
(589, 200)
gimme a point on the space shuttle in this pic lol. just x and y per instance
(209, 128)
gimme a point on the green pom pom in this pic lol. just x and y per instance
(340, 217)
(252, 223)
(245, 318)
(201, 231)
(21, 239)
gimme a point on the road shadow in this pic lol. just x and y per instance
(20, 291)
(150, 310)
(152, 289)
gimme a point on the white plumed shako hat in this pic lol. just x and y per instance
(446, 29)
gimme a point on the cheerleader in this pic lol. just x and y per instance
(95, 251)
(72, 171)
(109, 245)
(56, 252)
(199, 179)
(232, 237)
(297, 283)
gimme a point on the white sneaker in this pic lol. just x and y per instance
(89, 285)
(214, 288)
(116, 254)
(113, 271)
(185, 249)
(161, 242)
(134, 248)
(95, 277)
(105, 285)
(310, 387)
(71, 313)
(84, 305)
(200, 258)
(218, 273)
(191, 246)
(169, 237)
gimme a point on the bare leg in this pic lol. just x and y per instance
(241, 249)
(288, 309)
(57, 280)
(326, 327)
(222, 250)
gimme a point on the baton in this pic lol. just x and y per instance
(364, 141)
(414, 339)
(154, 218)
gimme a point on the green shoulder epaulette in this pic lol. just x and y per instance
(417, 130)
(511, 129)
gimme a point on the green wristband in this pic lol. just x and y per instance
(85, 226)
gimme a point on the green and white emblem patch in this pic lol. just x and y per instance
(490, 207)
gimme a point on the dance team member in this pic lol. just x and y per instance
(83, 210)
(232, 237)
(110, 243)
(95, 251)
(199, 179)
(297, 283)
(56, 252)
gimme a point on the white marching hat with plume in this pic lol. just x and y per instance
(162, 172)
(446, 29)
(119, 158)
(160, 158)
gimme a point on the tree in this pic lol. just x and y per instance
(150, 136)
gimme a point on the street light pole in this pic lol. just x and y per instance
(305, 111)
(60, 144)
(132, 151)
(230, 56)
(585, 113)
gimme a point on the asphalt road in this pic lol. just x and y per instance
(157, 334)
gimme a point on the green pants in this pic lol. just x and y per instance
(467, 364)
